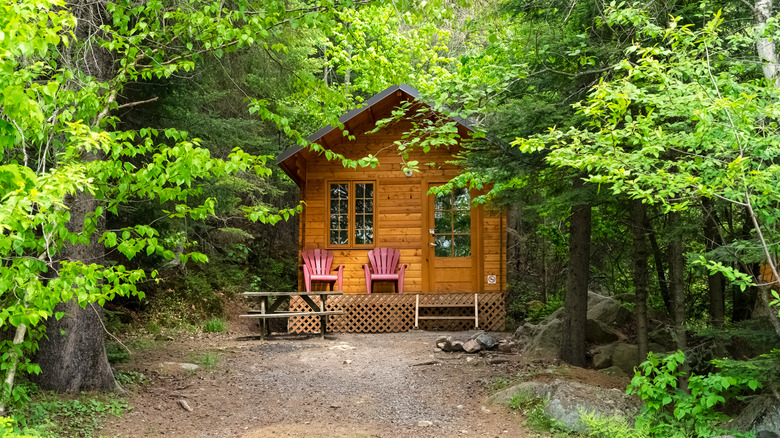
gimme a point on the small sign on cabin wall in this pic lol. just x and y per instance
(491, 279)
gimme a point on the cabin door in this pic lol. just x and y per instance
(448, 255)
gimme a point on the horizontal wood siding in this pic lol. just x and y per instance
(398, 211)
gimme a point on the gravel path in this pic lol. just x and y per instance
(349, 385)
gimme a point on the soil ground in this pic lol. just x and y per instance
(348, 385)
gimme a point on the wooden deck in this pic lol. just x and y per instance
(392, 313)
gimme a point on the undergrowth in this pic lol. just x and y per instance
(214, 325)
(50, 415)
(533, 409)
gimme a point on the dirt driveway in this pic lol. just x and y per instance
(348, 385)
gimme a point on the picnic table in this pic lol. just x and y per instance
(271, 311)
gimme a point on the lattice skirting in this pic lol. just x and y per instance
(392, 313)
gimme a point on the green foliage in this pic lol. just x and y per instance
(130, 378)
(533, 409)
(215, 325)
(116, 352)
(538, 311)
(712, 143)
(673, 411)
(7, 430)
(208, 360)
(53, 416)
(499, 383)
(613, 427)
(764, 369)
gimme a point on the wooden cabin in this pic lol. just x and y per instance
(451, 247)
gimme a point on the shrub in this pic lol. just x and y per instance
(670, 411)
(214, 325)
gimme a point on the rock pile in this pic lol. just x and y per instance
(477, 342)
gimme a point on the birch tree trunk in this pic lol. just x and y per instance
(767, 53)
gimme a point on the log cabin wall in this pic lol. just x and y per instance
(400, 216)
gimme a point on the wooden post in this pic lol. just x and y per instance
(323, 318)
(416, 310)
(476, 311)
(263, 324)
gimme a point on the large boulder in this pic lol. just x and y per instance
(606, 310)
(599, 333)
(540, 341)
(626, 357)
(602, 356)
(761, 416)
(664, 336)
(567, 400)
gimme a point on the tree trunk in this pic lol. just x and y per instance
(72, 355)
(514, 256)
(716, 282)
(637, 213)
(765, 47)
(677, 288)
(660, 271)
(572, 348)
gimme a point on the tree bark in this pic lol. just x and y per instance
(660, 270)
(677, 288)
(572, 347)
(72, 355)
(765, 47)
(716, 282)
(637, 213)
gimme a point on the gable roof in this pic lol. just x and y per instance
(346, 117)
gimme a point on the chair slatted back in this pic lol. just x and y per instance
(318, 261)
(384, 260)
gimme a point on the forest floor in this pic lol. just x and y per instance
(348, 385)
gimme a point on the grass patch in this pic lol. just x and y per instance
(141, 344)
(215, 325)
(208, 360)
(130, 378)
(499, 383)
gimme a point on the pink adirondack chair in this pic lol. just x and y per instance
(317, 267)
(383, 268)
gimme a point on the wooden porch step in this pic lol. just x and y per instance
(473, 317)
(422, 306)
(258, 314)
(446, 317)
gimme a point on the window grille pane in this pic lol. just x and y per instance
(462, 198)
(462, 246)
(443, 246)
(442, 222)
(462, 222)
(339, 214)
(443, 202)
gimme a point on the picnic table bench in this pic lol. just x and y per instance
(265, 311)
